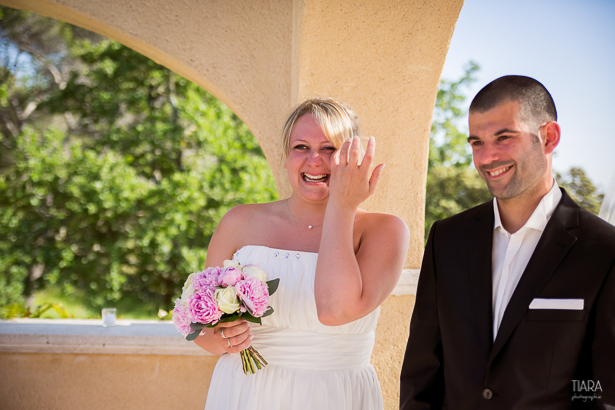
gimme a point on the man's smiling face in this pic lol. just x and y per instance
(507, 151)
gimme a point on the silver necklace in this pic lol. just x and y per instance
(293, 216)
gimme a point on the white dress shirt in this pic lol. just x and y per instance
(512, 252)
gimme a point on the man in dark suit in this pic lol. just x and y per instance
(515, 305)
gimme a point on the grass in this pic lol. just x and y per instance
(126, 309)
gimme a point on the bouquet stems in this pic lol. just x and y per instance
(252, 360)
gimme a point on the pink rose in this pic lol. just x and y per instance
(207, 279)
(230, 276)
(203, 307)
(181, 318)
(254, 293)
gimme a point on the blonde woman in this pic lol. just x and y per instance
(336, 263)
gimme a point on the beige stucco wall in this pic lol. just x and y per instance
(40, 381)
(385, 58)
(261, 57)
(391, 337)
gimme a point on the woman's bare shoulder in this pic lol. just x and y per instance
(373, 223)
(249, 213)
(247, 219)
(240, 226)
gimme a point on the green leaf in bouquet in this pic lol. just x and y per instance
(229, 318)
(267, 312)
(273, 285)
(247, 316)
(193, 335)
(197, 326)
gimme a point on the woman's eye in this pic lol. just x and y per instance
(300, 146)
(332, 149)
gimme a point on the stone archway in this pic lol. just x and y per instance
(260, 57)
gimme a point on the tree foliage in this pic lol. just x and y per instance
(581, 189)
(453, 185)
(114, 182)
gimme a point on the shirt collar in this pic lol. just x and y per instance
(539, 218)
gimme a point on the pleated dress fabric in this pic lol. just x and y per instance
(311, 366)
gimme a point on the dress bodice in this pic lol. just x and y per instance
(294, 303)
(311, 366)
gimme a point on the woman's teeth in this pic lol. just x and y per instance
(315, 178)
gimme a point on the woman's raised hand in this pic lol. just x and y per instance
(233, 336)
(350, 182)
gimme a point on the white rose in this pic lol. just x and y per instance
(188, 281)
(227, 299)
(230, 263)
(254, 271)
(188, 291)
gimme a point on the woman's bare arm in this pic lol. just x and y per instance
(348, 286)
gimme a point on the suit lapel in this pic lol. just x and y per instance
(551, 249)
(479, 251)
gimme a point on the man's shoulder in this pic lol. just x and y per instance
(481, 212)
(587, 225)
(595, 227)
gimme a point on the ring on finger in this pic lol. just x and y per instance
(222, 334)
(229, 343)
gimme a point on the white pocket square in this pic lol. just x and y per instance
(561, 304)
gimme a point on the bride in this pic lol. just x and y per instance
(336, 263)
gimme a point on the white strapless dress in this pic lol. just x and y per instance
(311, 366)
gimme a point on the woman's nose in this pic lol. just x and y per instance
(314, 157)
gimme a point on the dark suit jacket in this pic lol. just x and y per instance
(451, 360)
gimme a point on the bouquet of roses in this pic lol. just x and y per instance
(223, 294)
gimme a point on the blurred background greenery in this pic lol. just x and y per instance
(114, 172)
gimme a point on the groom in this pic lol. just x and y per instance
(515, 305)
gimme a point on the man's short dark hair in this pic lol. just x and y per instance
(537, 105)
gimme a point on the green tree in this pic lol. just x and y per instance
(119, 176)
(453, 185)
(581, 189)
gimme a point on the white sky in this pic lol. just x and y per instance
(569, 46)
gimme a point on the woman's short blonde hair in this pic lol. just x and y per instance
(336, 120)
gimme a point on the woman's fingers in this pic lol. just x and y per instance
(335, 158)
(343, 155)
(241, 346)
(373, 181)
(355, 151)
(234, 336)
(232, 329)
(351, 181)
(370, 150)
(239, 342)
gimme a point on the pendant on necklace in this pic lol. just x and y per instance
(310, 226)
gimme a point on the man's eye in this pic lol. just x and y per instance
(503, 137)
(476, 143)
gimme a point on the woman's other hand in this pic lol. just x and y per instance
(230, 337)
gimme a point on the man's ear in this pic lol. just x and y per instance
(550, 134)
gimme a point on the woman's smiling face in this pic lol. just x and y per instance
(308, 161)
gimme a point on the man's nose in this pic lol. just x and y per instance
(488, 154)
